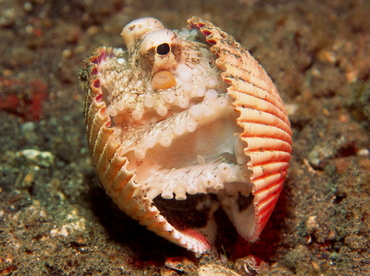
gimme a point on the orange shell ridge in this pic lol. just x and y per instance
(179, 129)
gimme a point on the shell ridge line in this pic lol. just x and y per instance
(263, 117)
(264, 181)
(252, 129)
(92, 108)
(118, 183)
(234, 72)
(259, 130)
(121, 180)
(272, 144)
(101, 144)
(96, 125)
(275, 161)
(267, 168)
(258, 157)
(108, 151)
(248, 100)
(115, 163)
(88, 115)
(258, 77)
(239, 84)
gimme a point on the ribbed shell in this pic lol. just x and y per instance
(262, 116)
(111, 165)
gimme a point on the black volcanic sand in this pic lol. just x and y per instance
(56, 220)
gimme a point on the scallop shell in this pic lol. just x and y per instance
(185, 123)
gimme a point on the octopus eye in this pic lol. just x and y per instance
(163, 49)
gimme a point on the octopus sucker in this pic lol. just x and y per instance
(184, 125)
(163, 80)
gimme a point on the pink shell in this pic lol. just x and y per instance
(129, 132)
(262, 116)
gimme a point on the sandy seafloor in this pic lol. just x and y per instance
(56, 220)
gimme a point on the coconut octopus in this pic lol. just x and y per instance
(183, 124)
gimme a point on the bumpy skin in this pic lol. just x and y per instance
(182, 124)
